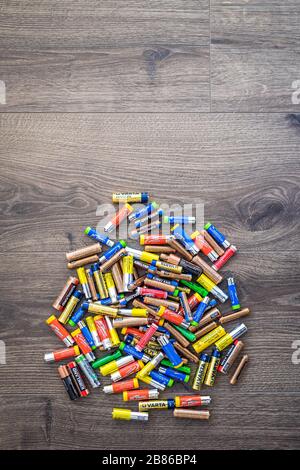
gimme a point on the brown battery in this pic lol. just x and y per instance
(212, 242)
(177, 335)
(130, 321)
(185, 352)
(207, 269)
(159, 249)
(176, 276)
(239, 369)
(91, 284)
(234, 316)
(161, 302)
(114, 259)
(205, 329)
(238, 346)
(184, 253)
(138, 304)
(135, 273)
(84, 252)
(159, 285)
(82, 262)
(211, 315)
(137, 283)
(191, 414)
(61, 300)
(117, 277)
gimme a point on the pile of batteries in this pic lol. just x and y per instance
(148, 313)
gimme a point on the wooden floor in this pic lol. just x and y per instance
(188, 99)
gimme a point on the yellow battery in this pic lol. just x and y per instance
(206, 282)
(109, 280)
(101, 286)
(148, 257)
(67, 312)
(82, 275)
(200, 372)
(224, 342)
(208, 339)
(102, 309)
(154, 405)
(127, 264)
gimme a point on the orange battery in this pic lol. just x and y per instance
(127, 370)
(83, 345)
(141, 394)
(60, 330)
(121, 386)
(186, 401)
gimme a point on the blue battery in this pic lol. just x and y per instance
(235, 303)
(174, 374)
(217, 235)
(92, 233)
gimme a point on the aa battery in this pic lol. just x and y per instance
(230, 356)
(65, 376)
(87, 371)
(239, 369)
(156, 405)
(186, 401)
(70, 307)
(208, 339)
(77, 379)
(141, 394)
(84, 252)
(212, 369)
(121, 387)
(65, 294)
(190, 414)
(200, 372)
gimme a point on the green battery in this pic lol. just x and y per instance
(195, 287)
(186, 333)
(184, 369)
(106, 359)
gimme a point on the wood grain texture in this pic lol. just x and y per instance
(55, 169)
(105, 56)
(58, 168)
(255, 47)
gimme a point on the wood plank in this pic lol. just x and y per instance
(255, 55)
(51, 25)
(131, 79)
(56, 170)
(105, 56)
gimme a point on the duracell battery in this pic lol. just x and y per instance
(84, 252)
(114, 259)
(91, 284)
(77, 379)
(118, 277)
(191, 414)
(177, 335)
(82, 262)
(184, 253)
(62, 299)
(207, 269)
(159, 249)
(65, 376)
(234, 316)
(186, 353)
(211, 315)
(159, 285)
(239, 369)
(162, 302)
(212, 242)
(206, 329)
